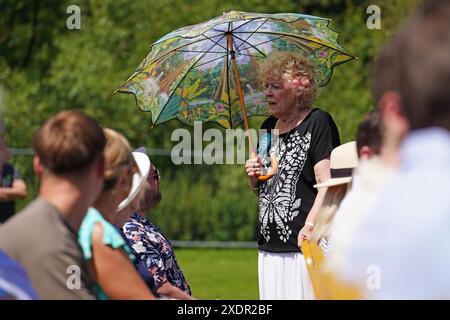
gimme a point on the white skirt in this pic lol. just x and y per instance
(283, 276)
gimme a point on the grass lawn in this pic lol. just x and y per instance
(220, 273)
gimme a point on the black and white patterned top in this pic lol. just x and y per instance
(286, 199)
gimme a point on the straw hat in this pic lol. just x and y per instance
(343, 160)
(139, 178)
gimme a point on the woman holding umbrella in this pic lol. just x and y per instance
(288, 203)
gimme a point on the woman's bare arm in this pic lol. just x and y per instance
(115, 273)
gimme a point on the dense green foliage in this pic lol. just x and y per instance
(44, 68)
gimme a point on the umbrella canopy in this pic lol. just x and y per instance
(207, 72)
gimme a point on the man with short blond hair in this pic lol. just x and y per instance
(43, 237)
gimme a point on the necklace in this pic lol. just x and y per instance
(293, 122)
(284, 136)
(281, 141)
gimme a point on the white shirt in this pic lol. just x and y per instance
(402, 249)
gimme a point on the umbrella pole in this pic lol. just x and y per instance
(241, 96)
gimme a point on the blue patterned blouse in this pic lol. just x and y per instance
(156, 261)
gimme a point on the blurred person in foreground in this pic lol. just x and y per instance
(12, 186)
(156, 261)
(377, 163)
(401, 249)
(43, 236)
(109, 258)
(14, 281)
(288, 202)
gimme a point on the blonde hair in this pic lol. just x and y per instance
(117, 155)
(279, 63)
(331, 202)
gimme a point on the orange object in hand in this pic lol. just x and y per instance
(272, 170)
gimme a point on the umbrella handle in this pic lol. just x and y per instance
(273, 166)
(272, 171)
(274, 161)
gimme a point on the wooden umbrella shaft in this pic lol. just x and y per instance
(241, 96)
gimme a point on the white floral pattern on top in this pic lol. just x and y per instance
(277, 199)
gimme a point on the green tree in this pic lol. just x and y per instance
(44, 68)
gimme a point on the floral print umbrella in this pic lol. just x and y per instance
(207, 72)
